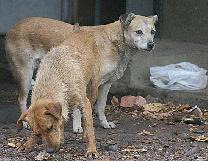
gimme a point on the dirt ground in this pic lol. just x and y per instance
(135, 138)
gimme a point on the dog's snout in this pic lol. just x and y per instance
(150, 45)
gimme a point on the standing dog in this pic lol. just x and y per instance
(117, 42)
(64, 76)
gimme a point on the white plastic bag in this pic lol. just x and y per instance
(182, 76)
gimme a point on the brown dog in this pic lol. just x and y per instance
(32, 38)
(64, 76)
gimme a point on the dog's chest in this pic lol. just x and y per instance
(107, 67)
(111, 71)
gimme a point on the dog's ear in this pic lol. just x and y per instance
(20, 120)
(76, 27)
(155, 18)
(126, 19)
(54, 109)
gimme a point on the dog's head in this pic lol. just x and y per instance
(45, 119)
(139, 31)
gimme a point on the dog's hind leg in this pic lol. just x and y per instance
(100, 105)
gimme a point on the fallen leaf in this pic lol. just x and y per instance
(133, 149)
(200, 138)
(183, 107)
(11, 145)
(158, 116)
(205, 115)
(114, 101)
(144, 132)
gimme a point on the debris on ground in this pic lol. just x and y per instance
(196, 111)
(13, 142)
(140, 135)
(181, 113)
(12, 145)
(43, 155)
(200, 138)
(193, 120)
(157, 111)
(144, 132)
(132, 101)
(130, 149)
(115, 101)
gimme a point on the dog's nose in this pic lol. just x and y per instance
(150, 45)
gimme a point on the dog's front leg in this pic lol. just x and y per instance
(89, 135)
(100, 105)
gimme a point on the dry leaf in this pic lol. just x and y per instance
(133, 149)
(200, 138)
(154, 107)
(205, 115)
(158, 116)
(114, 101)
(182, 107)
(11, 145)
(144, 132)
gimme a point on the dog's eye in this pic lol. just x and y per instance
(139, 32)
(153, 32)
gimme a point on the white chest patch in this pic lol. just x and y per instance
(107, 67)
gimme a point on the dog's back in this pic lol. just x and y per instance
(66, 70)
(27, 43)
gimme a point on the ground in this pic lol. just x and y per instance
(134, 138)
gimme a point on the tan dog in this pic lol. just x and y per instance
(117, 42)
(62, 81)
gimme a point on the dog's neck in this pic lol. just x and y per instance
(125, 51)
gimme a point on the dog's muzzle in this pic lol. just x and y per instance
(150, 46)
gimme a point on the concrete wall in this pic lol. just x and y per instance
(12, 11)
(136, 80)
(142, 7)
(185, 20)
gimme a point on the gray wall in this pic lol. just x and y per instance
(142, 7)
(13, 10)
(185, 20)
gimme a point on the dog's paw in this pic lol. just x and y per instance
(78, 130)
(108, 125)
(92, 154)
